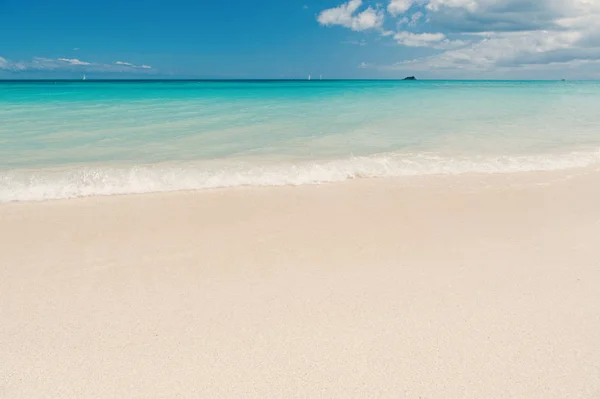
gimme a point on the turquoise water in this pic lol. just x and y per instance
(67, 139)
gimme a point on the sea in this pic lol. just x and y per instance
(65, 139)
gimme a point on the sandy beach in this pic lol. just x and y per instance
(442, 287)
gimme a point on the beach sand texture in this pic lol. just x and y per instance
(442, 287)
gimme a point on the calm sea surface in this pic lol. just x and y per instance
(67, 139)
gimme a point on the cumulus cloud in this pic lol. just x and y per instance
(346, 15)
(433, 40)
(506, 49)
(497, 16)
(489, 35)
(397, 7)
(519, 33)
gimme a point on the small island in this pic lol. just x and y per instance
(410, 78)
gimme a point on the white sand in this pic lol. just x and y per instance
(456, 287)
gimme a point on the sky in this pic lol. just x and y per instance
(290, 39)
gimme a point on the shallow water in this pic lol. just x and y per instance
(67, 139)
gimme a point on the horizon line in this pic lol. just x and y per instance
(280, 80)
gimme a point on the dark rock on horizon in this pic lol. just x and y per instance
(410, 78)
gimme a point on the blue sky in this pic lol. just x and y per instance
(292, 38)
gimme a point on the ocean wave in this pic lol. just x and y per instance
(82, 181)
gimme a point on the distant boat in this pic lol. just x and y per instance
(308, 77)
(83, 78)
(320, 77)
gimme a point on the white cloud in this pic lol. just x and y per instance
(418, 39)
(73, 61)
(368, 19)
(506, 15)
(511, 49)
(490, 35)
(544, 33)
(346, 15)
(397, 7)
(433, 40)
(341, 15)
(67, 64)
(413, 20)
(470, 5)
(129, 64)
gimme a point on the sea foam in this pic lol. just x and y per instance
(48, 184)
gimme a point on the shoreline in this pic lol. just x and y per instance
(471, 286)
(499, 179)
(78, 181)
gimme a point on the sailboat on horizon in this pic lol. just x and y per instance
(83, 77)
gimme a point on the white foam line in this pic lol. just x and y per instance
(37, 185)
